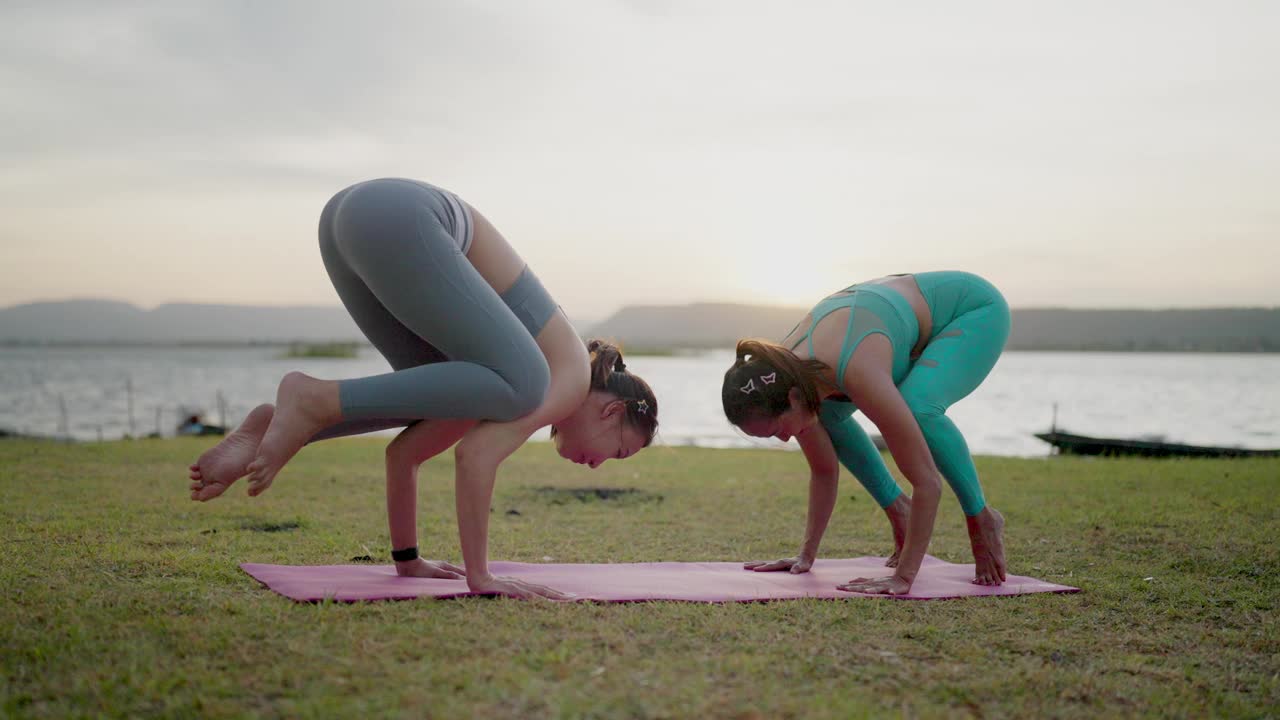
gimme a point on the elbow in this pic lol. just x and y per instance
(470, 457)
(467, 455)
(400, 453)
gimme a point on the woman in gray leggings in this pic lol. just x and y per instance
(482, 357)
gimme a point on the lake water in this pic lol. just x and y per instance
(1213, 399)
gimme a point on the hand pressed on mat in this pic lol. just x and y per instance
(513, 587)
(797, 564)
(423, 568)
(892, 585)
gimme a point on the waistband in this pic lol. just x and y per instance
(530, 301)
(454, 214)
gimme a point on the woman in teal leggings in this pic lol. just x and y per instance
(902, 349)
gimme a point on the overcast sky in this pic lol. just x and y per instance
(1083, 154)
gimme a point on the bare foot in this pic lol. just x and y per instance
(304, 406)
(227, 461)
(899, 512)
(986, 536)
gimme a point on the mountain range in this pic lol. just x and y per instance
(699, 325)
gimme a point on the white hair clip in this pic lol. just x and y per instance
(748, 388)
(642, 407)
(769, 379)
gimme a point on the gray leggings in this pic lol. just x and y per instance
(458, 349)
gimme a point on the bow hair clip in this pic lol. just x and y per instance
(769, 379)
(749, 387)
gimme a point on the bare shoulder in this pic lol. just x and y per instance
(828, 337)
(500, 265)
(570, 369)
(797, 333)
(870, 370)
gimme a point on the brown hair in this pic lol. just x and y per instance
(609, 374)
(746, 395)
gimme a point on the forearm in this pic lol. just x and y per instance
(899, 514)
(823, 489)
(924, 509)
(404, 456)
(473, 492)
(402, 503)
(476, 461)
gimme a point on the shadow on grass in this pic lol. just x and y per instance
(562, 495)
(270, 527)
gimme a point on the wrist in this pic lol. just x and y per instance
(408, 568)
(405, 555)
(900, 508)
(475, 580)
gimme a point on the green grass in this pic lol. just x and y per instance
(121, 598)
(322, 350)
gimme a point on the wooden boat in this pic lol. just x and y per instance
(16, 435)
(1068, 444)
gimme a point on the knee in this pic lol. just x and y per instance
(926, 413)
(932, 419)
(529, 389)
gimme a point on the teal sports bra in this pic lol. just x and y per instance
(872, 309)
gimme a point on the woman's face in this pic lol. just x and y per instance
(795, 420)
(598, 432)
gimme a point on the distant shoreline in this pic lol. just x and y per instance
(639, 329)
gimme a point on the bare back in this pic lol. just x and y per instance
(828, 336)
(500, 265)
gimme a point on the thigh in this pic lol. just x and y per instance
(398, 344)
(959, 358)
(395, 245)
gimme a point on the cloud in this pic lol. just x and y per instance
(883, 136)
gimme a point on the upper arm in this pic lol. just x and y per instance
(489, 443)
(819, 451)
(872, 388)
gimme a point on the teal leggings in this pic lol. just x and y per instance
(970, 327)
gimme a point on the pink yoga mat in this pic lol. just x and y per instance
(630, 582)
